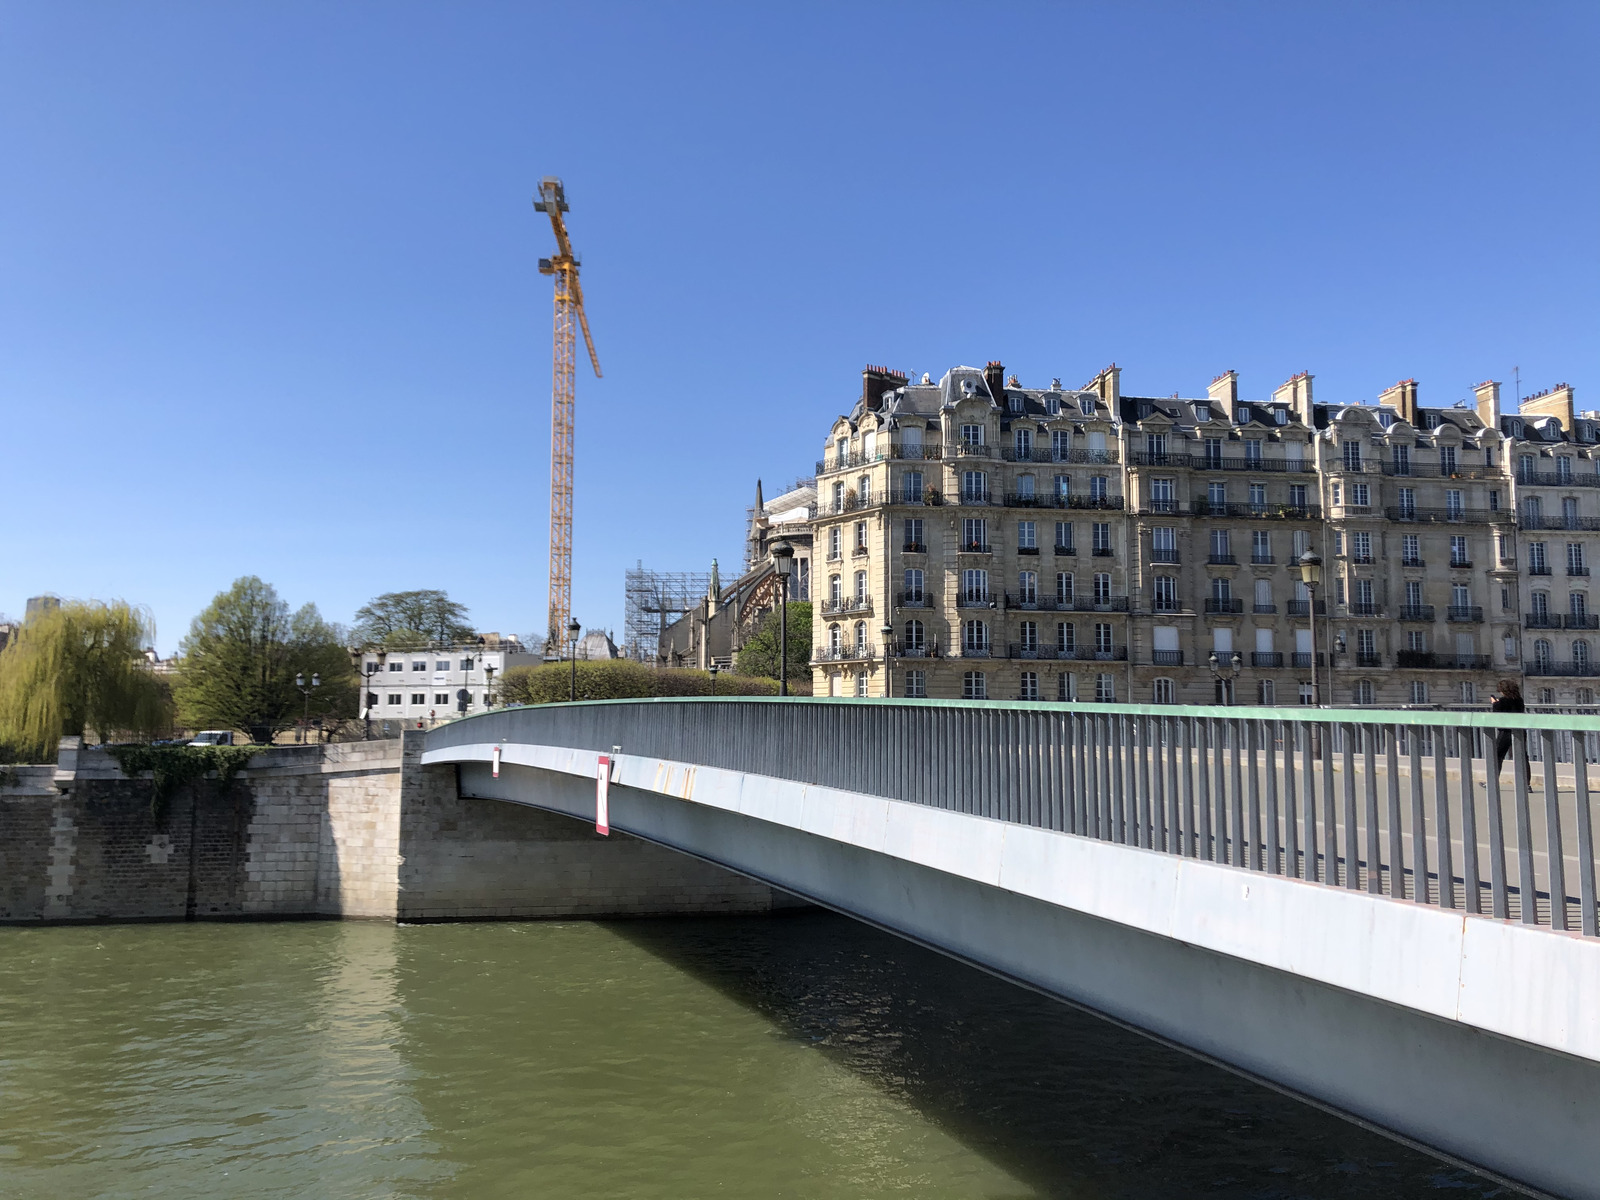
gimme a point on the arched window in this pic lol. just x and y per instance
(1542, 656)
(974, 638)
(835, 590)
(861, 637)
(1164, 691)
(1580, 653)
(835, 640)
(861, 587)
(914, 636)
(1025, 485)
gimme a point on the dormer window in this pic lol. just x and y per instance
(1280, 416)
(1202, 412)
(1086, 404)
(1430, 420)
(1052, 405)
(1244, 414)
(1516, 429)
(1385, 418)
(1015, 399)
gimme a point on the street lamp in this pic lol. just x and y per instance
(1226, 671)
(573, 629)
(783, 563)
(1311, 575)
(305, 717)
(464, 699)
(887, 633)
(713, 677)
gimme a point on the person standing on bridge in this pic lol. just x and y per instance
(1508, 699)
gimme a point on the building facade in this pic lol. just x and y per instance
(978, 539)
(428, 685)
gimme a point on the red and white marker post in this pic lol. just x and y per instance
(602, 786)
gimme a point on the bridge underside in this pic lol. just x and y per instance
(1522, 1111)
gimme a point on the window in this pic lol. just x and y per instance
(466, 664)
(392, 698)
(864, 489)
(1584, 695)
(861, 535)
(861, 587)
(975, 533)
(1362, 692)
(1352, 456)
(1063, 486)
(1580, 654)
(1066, 638)
(1243, 414)
(1494, 493)
(1221, 546)
(1163, 691)
(1417, 640)
(1060, 444)
(441, 697)
(1028, 687)
(1266, 693)
(1363, 597)
(1447, 460)
(372, 700)
(1408, 502)
(1052, 405)
(1410, 550)
(972, 435)
(1213, 449)
(1452, 504)
(1547, 695)
(1469, 692)
(1028, 587)
(1063, 587)
(916, 685)
(841, 453)
(397, 666)
(1361, 546)
(835, 591)
(1419, 692)
(913, 528)
(1155, 445)
(1360, 495)
(861, 638)
(974, 487)
(1578, 604)
(1097, 487)
(1563, 467)
(1165, 593)
(1540, 602)
(1306, 698)
(1460, 552)
(1102, 537)
(975, 586)
(1064, 536)
(419, 666)
(1402, 460)
(1025, 487)
(1067, 688)
(1102, 588)
(835, 540)
(1202, 412)
(1264, 596)
(1542, 655)
(1300, 542)
(1280, 416)
(419, 698)
(1258, 496)
(974, 686)
(838, 497)
(1413, 593)
(974, 638)
(1569, 512)
(1334, 489)
(1252, 450)
(1022, 439)
(911, 482)
(1164, 542)
(914, 636)
(835, 641)
(1536, 560)
(1086, 405)
(1216, 494)
(1027, 535)
(1102, 638)
(861, 684)
(1575, 564)
(1105, 689)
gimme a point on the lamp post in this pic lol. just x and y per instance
(1311, 575)
(372, 668)
(1226, 671)
(713, 677)
(305, 716)
(573, 629)
(887, 634)
(783, 563)
(464, 700)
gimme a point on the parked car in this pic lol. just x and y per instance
(213, 737)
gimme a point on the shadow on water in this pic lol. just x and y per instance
(1066, 1102)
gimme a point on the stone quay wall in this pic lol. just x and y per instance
(354, 829)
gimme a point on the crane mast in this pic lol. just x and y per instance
(552, 199)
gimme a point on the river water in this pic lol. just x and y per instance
(800, 1056)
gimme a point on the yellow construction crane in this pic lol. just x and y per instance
(552, 199)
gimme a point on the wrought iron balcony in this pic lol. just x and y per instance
(1060, 500)
(1540, 569)
(975, 548)
(1364, 608)
(1426, 660)
(1302, 658)
(1102, 552)
(846, 606)
(1221, 605)
(1417, 612)
(1066, 549)
(912, 600)
(1548, 667)
(1166, 658)
(1412, 562)
(971, 497)
(1264, 608)
(1169, 557)
(1446, 516)
(1256, 512)
(1465, 614)
(914, 548)
(1266, 658)
(1367, 660)
(1215, 462)
(1576, 524)
(1166, 604)
(973, 599)
(1261, 560)
(1222, 560)
(1302, 608)
(1070, 653)
(1460, 564)
(1558, 479)
(848, 653)
(1541, 620)
(1049, 454)
(1581, 621)
(1578, 572)
(1427, 470)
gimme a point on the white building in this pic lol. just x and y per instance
(428, 685)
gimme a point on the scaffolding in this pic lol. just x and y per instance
(654, 601)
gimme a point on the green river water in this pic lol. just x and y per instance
(801, 1056)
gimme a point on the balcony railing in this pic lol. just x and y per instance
(1538, 569)
(1541, 620)
(1049, 454)
(1416, 612)
(1166, 658)
(1302, 658)
(1577, 524)
(975, 548)
(1412, 562)
(912, 599)
(1427, 470)
(1215, 604)
(845, 654)
(1071, 653)
(1458, 564)
(1425, 660)
(1577, 572)
(1464, 614)
(1102, 552)
(840, 608)
(1256, 512)
(1538, 667)
(1266, 658)
(1213, 462)
(1166, 604)
(914, 548)
(1446, 516)
(1261, 560)
(1222, 560)
(1364, 608)
(1060, 500)
(1264, 608)
(1169, 557)
(1581, 621)
(1161, 507)
(1302, 608)
(971, 497)
(1557, 479)
(970, 599)
(1066, 549)
(1367, 660)
(1111, 604)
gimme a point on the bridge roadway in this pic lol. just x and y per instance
(1171, 868)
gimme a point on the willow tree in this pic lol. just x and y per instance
(80, 670)
(241, 658)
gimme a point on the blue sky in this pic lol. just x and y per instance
(269, 299)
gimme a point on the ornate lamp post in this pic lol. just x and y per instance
(713, 677)
(1226, 671)
(887, 634)
(783, 563)
(573, 629)
(305, 716)
(1311, 575)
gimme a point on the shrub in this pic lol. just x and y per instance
(619, 679)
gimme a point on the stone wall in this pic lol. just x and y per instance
(356, 829)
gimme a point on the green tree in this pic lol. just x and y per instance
(411, 620)
(760, 654)
(241, 658)
(77, 670)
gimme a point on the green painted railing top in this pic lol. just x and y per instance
(1558, 722)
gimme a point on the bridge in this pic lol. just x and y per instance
(1350, 905)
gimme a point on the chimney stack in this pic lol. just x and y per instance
(995, 376)
(1488, 394)
(1553, 402)
(1296, 393)
(1402, 397)
(875, 381)
(1224, 391)
(1108, 386)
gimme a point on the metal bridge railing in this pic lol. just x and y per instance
(1403, 804)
